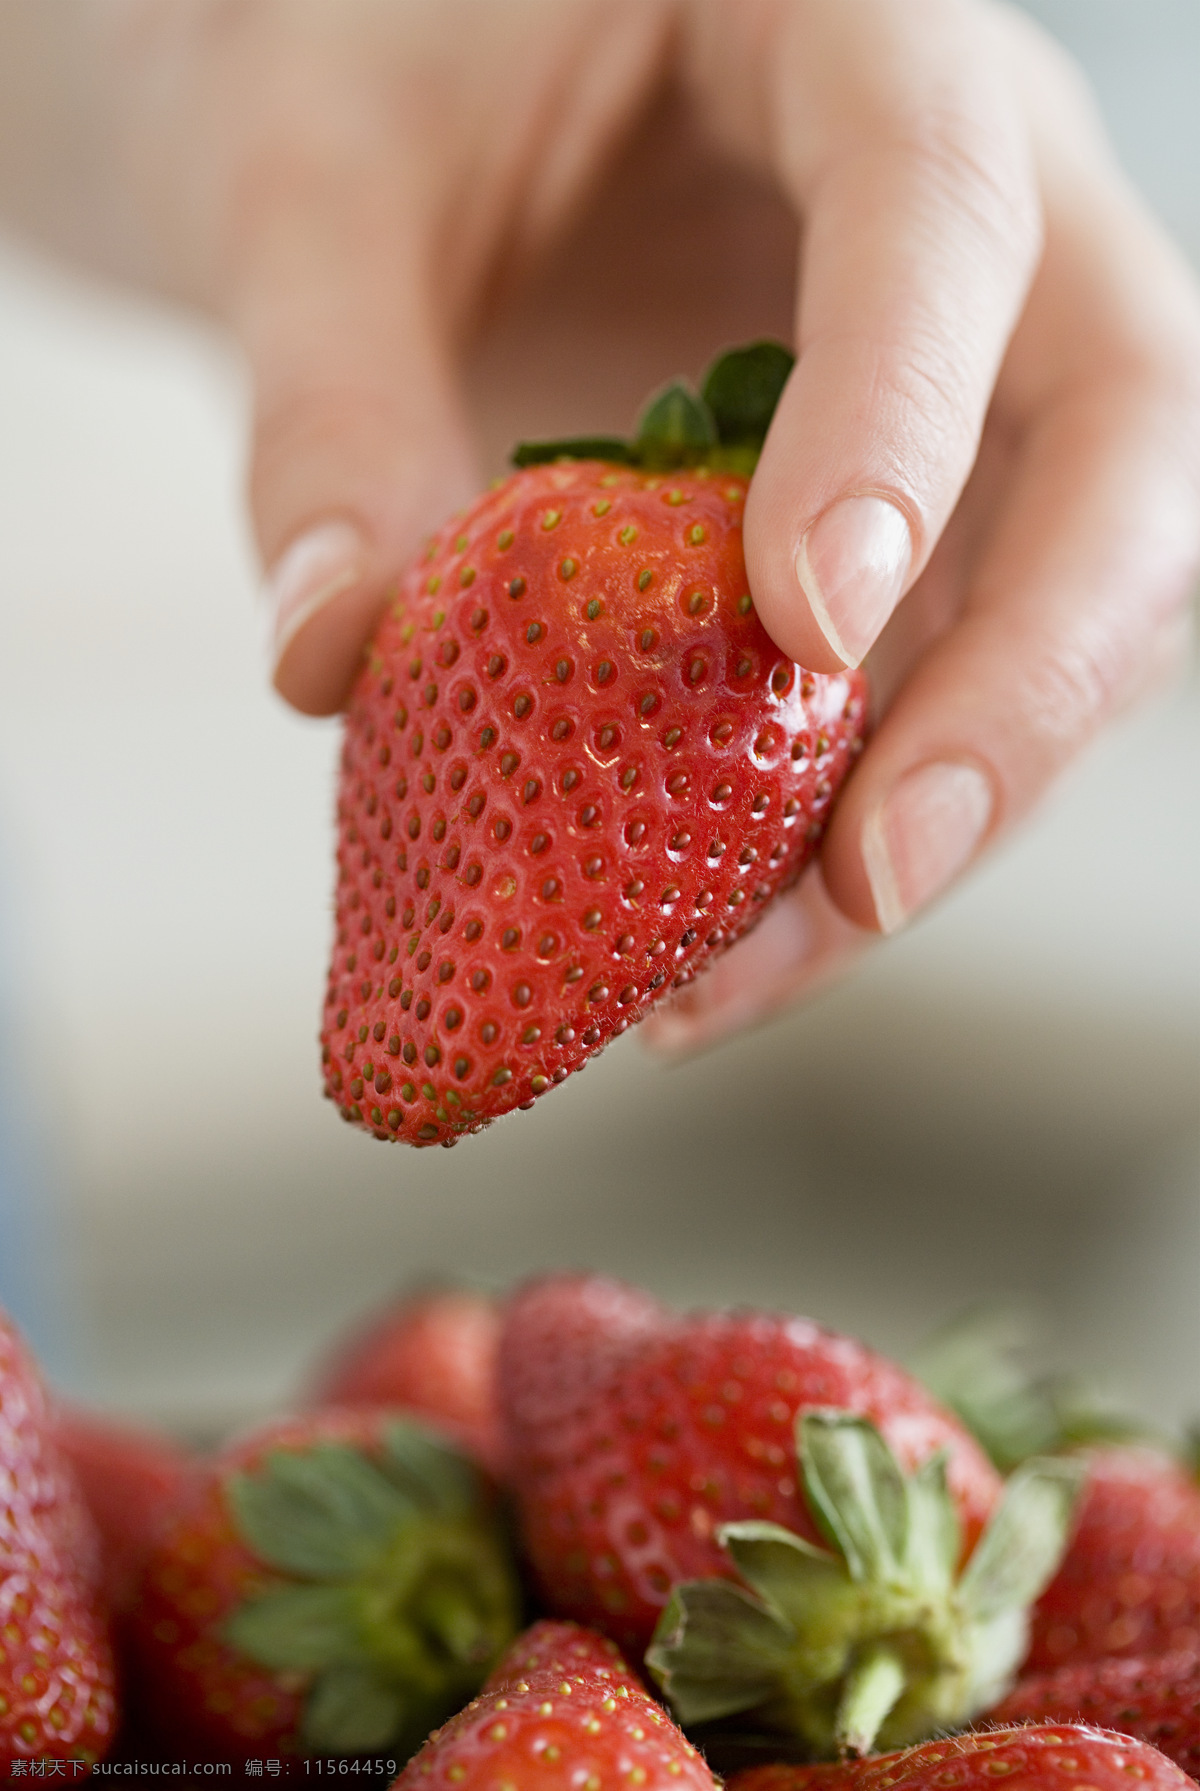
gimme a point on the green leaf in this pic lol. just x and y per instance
(456, 1623)
(788, 1573)
(880, 1646)
(299, 1628)
(976, 1366)
(1018, 1554)
(675, 429)
(717, 1650)
(934, 1532)
(415, 1592)
(324, 1514)
(972, 1365)
(994, 1652)
(575, 447)
(429, 1471)
(352, 1710)
(856, 1490)
(742, 388)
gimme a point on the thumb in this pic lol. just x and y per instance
(360, 444)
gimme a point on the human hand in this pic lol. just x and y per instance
(999, 356)
(996, 341)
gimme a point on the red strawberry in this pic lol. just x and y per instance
(335, 1583)
(1034, 1759)
(129, 1479)
(56, 1673)
(634, 1432)
(431, 1353)
(561, 1648)
(655, 1458)
(561, 1710)
(575, 767)
(1130, 1580)
(1157, 1700)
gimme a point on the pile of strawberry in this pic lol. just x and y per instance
(576, 1541)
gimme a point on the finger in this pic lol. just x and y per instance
(359, 441)
(1078, 600)
(897, 134)
(801, 943)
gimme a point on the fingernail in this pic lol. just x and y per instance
(922, 836)
(852, 564)
(314, 569)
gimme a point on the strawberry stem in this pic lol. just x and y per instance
(723, 425)
(876, 1637)
(395, 1591)
(872, 1687)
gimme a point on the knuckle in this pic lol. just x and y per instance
(931, 375)
(927, 406)
(1084, 680)
(977, 170)
(1069, 692)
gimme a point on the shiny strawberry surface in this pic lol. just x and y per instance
(562, 1712)
(1044, 1758)
(1156, 1699)
(575, 767)
(1130, 1581)
(634, 1432)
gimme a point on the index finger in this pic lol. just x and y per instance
(896, 133)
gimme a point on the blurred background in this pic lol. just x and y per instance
(1001, 1103)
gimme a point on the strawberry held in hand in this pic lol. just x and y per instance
(575, 767)
(561, 1710)
(56, 1670)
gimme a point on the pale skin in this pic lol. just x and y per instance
(437, 225)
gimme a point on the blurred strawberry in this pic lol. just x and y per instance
(561, 1710)
(634, 1432)
(56, 1673)
(1028, 1759)
(1130, 1580)
(981, 1365)
(432, 1353)
(334, 1583)
(656, 1458)
(1157, 1700)
(130, 1478)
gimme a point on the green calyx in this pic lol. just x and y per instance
(723, 425)
(975, 1365)
(398, 1593)
(877, 1641)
